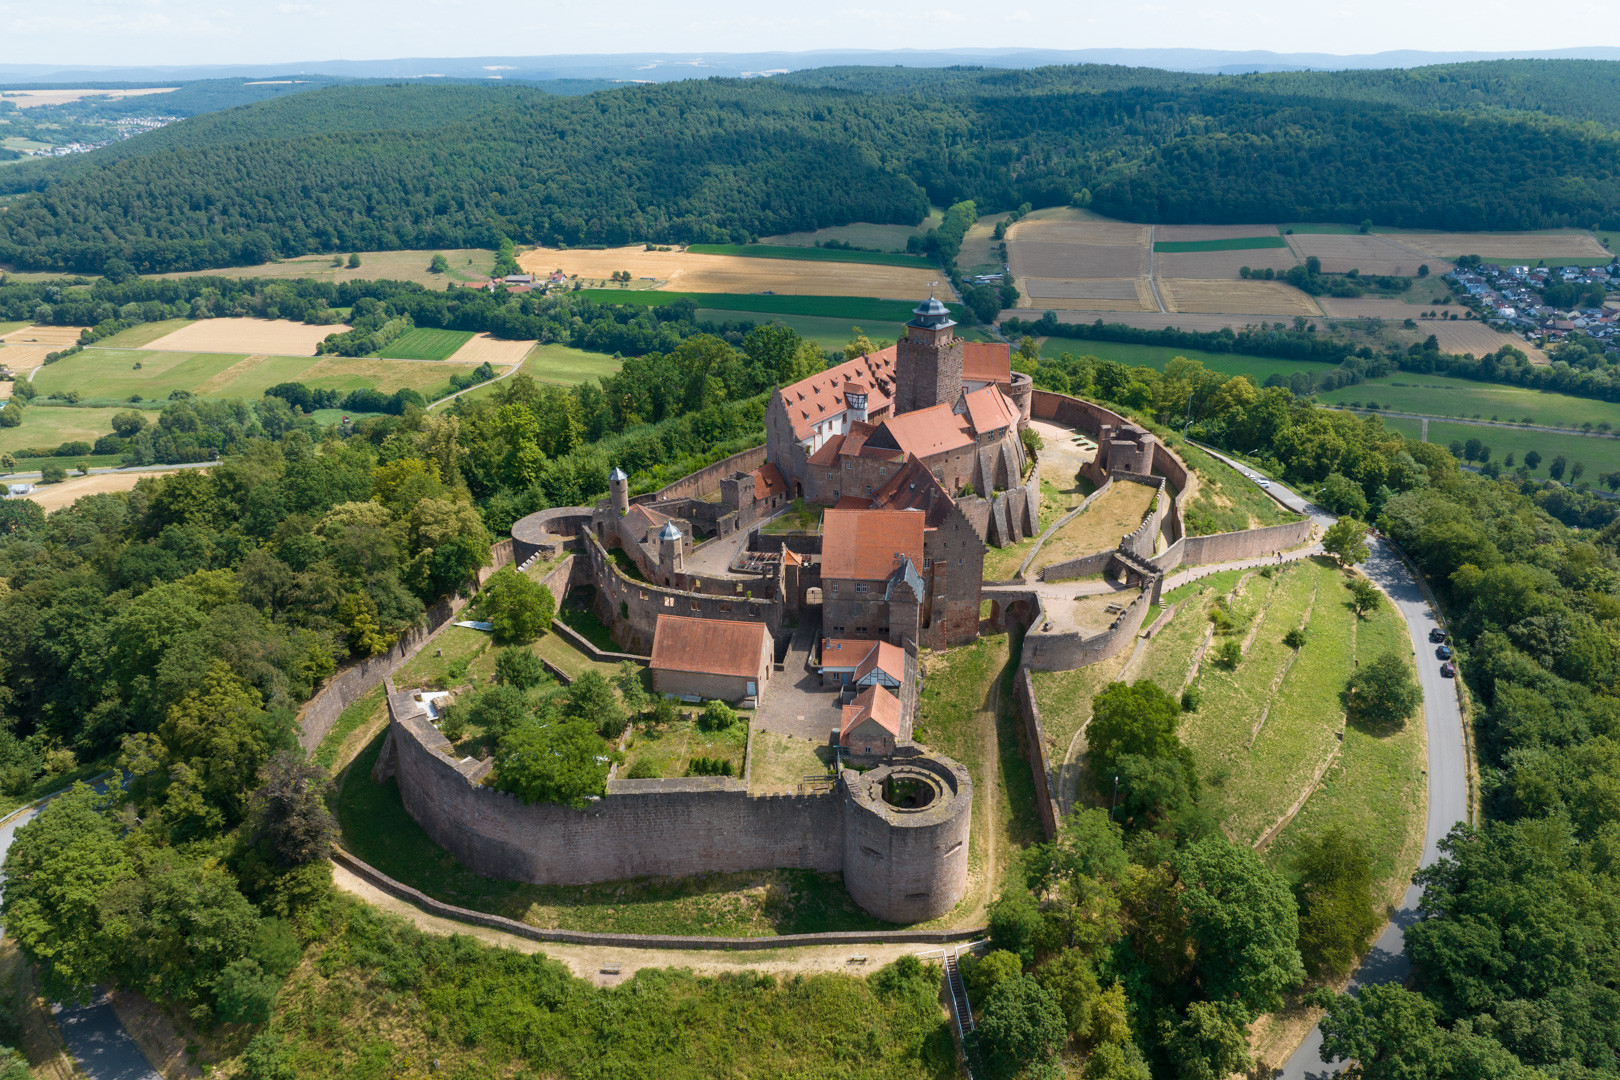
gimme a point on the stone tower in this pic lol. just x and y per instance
(928, 360)
(669, 548)
(619, 492)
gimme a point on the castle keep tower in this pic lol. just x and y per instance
(928, 360)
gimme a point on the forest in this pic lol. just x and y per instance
(368, 167)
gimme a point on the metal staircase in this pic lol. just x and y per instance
(962, 1009)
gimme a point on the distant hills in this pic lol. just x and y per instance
(664, 67)
(1508, 144)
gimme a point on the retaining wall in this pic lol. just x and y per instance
(706, 481)
(1045, 805)
(1233, 546)
(1067, 651)
(1084, 566)
(357, 680)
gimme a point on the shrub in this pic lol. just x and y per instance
(1295, 638)
(517, 666)
(52, 473)
(453, 722)
(643, 769)
(1189, 699)
(1229, 654)
(716, 716)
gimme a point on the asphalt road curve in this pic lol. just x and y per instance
(1447, 769)
(94, 1035)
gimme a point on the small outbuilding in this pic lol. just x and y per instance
(870, 727)
(710, 659)
(859, 664)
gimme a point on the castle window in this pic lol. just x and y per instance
(860, 588)
(696, 606)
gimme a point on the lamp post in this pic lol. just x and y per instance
(1116, 799)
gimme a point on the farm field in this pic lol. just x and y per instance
(562, 364)
(860, 309)
(143, 334)
(1235, 296)
(981, 251)
(25, 347)
(861, 234)
(1086, 294)
(466, 264)
(1439, 395)
(53, 497)
(1220, 264)
(1547, 245)
(1598, 454)
(279, 337)
(425, 344)
(687, 271)
(110, 374)
(482, 348)
(828, 333)
(1258, 368)
(28, 99)
(49, 426)
(814, 254)
(1229, 243)
(1371, 253)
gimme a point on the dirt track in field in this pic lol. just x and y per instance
(277, 337)
(482, 348)
(684, 271)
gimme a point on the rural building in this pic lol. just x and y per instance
(712, 659)
(871, 726)
(871, 573)
(857, 663)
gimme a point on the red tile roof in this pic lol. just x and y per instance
(768, 481)
(875, 704)
(930, 431)
(869, 545)
(989, 409)
(987, 361)
(812, 400)
(914, 488)
(827, 453)
(645, 518)
(891, 659)
(709, 646)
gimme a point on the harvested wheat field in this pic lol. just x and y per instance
(1030, 259)
(57, 496)
(687, 272)
(1372, 253)
(1525, 247)
(1219, 264)
(482, 348)
(1095, 294)
(28, 99)
(1065, 225)
(1475, 338)
(274, 336)
(1370, 307)
(1181, 234)
(52, 337)
(1235, 297)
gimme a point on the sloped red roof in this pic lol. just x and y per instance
(709, 646)
(989, 409)
(811, 400)
(913, 487)
(869, 545)
(891, 659)
(987, 361)
(768, 481)
(827, 453)
(926, 432)
(875, 704)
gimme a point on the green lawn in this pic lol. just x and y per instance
(46, 427)
(143, 334)
(811, 254)
(562, 364)
(668, 750)
(425, 344)
(1439, 395)
(861, 309)
(1600, 455)
(1231, 243)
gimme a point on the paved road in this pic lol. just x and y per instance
(1447, 771)
(18, 477)
(94, 1035)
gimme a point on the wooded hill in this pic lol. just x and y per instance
(413, 166)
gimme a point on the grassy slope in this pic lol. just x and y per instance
(425, 344)
(46, 427)
(862, 309)
(1227, 501)
(1439, 395)
(466, 264)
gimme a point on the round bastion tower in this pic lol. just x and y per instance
(906, 837)
(619, 492)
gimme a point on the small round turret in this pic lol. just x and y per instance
(619, 491)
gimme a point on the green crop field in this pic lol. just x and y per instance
(1599, 454)
(811, 254)
(1258, 368)
(110, 375)
(862, 234)
(47, 427)
(1438, 395)
(424, 344)
(828, 333)
(142, 334)
(8, 327)
(861, 309)
(1231, 243)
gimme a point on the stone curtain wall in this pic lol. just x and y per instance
(547, 531)
(1084, 566)
(1035, 738)
(1232, 546)
(1065, 652)
(706, 481)
(1142, 540)
(357, 680)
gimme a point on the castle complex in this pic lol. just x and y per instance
(719, 582)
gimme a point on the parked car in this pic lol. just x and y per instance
(1448, 671)
(1437, 635)
(1443, 652)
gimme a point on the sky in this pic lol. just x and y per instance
(275, 31)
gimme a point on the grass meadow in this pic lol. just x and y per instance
(1598, 454)
(1258, 368)
(142, 334)
(862, 234)
(1439, 395)
(811, 254)
(1230, 243)
(861, 309)
(425, 344)
(46, 427)
(1227, 501)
